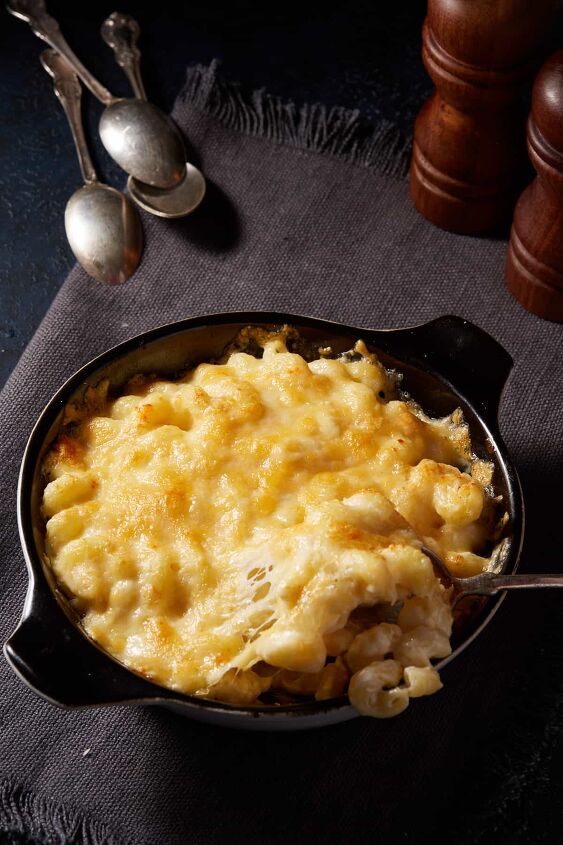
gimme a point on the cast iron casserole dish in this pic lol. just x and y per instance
(446, 363)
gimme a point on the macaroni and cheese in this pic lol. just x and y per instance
(251, 531)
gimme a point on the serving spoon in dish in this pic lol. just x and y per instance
(102, 224)
(139, 136)
(121, 33)
(489, 583)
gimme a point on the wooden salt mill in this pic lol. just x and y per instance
(534, 268)
(469, 148)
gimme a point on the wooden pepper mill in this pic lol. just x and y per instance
(534, 267)
(469, 138)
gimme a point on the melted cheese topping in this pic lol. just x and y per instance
(238, 516)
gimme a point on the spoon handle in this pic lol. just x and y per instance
(67, 88)
(520, 582)
(46, 27)
(121, 33)
(487, 584)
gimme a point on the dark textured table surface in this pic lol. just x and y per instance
(359, 56)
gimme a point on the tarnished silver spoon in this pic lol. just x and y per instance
(143, 140)
(121, 33)
(102, 225)
(489, 583)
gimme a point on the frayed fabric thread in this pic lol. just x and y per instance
(333, 131)
(44, 821)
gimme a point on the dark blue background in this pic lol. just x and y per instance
(359, 56)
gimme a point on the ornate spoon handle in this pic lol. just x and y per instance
(489, 585)
(121, 33)
(46, 27)
(67, 88)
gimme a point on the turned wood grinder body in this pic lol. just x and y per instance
(469, 139)
(534, 267)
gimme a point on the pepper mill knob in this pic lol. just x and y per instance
(534, 268)
(469, 137)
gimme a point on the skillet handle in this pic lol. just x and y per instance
(473, 362)
(62, 665)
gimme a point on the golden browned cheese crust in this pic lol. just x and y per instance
(221, 533)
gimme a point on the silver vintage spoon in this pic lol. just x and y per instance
(488, 583)
(142, 139)
(121, 33)
(102, 225)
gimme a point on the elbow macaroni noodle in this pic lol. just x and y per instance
(253, 529)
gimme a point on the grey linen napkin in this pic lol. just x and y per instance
(306, 213)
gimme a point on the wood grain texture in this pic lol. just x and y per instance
(534, 267)
(469, 140)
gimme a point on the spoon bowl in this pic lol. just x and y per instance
(104, 232)
(174, 203)
(144, 142)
